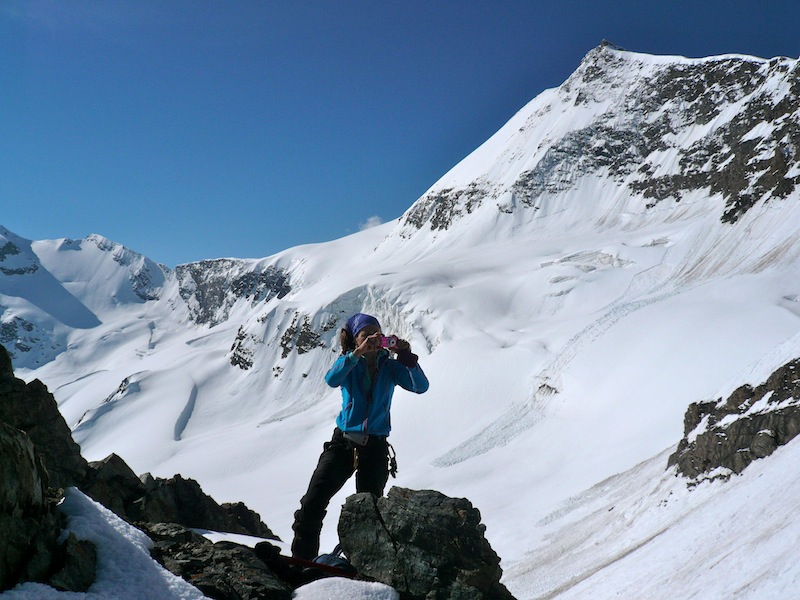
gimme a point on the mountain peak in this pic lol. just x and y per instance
(656, 128)
(610, 45)
(121, 252)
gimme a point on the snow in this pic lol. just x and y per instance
(642, 534)
(337, 588)
(563, 341)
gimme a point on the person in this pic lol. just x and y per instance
(367, 374)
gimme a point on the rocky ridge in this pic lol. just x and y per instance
(722, 437)
(29, 522)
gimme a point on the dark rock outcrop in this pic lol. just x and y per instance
(242, 353)
(724, 436)
(211, 287)
(441, 208)
(247, 520)
(75, 565)
(222, 570)
(28, 519)
(112, 483)
(30, 523)
(424, 544)
(33, 409)
(37, 453)
(300, 336)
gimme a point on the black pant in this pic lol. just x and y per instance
(339, 459)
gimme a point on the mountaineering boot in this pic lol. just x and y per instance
(306, 534)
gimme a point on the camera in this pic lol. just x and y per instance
(388, 342)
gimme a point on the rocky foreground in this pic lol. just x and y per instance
(422, 543)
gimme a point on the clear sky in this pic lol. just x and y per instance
(192, 129)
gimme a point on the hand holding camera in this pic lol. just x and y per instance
(392, 343)
(402, 350)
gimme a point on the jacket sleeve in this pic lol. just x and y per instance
(340, 369)
(411, 379)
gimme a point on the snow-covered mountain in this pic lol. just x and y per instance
(624, 246)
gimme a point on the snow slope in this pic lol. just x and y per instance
(571, 287)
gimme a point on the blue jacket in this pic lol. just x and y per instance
(371, 416)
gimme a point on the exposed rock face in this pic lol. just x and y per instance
(242, 352)
(211, 287)
(6, 368)
(238, 514)
(28, 519)
(30, 523)
(112, 483)
(441, 208)
(33, 439)
(75, 565)
(221, 570)
(724, 436)
(300, 336)
(424, 544)
(13, 261)
(33, 409)
(22, 335)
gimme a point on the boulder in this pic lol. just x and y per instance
(239, 515)
(181, 500)
(424, 544)
(224, 570)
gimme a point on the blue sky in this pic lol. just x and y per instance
(192, 129)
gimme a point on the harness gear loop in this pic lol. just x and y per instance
(392, 460)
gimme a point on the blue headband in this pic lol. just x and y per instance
(358, 321)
